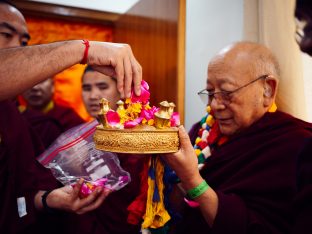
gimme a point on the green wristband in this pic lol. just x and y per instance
(198, 190)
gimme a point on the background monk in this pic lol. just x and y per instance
(95, 86)
(252, 160)
(26, 187)
(40, 98)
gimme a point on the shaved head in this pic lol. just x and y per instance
(258, 58)
(13, 28)
(243, 78)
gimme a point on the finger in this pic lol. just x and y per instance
(90, 198)
(137, 76)
(100, 199)
(120, 76)
(77, 188)
(128, 77)
(183, 136)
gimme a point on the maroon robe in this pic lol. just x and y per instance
(303, 201)
(66, 116)
(255, 177)
(20, 173)
(111, 216)
(46, 127)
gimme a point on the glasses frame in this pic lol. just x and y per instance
(225, 96)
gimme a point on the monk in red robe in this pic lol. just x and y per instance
(250, 154)
(40, 98)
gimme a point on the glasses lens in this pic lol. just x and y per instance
(226, 97)
(203, 95)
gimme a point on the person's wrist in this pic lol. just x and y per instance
(86, 44)
(197, 190)
(46, 199)
(191, 182)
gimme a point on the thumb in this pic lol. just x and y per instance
(184, 138)
(77, 187)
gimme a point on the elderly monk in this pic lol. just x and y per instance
(252, 159)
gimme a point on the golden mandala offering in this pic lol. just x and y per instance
(136, 127)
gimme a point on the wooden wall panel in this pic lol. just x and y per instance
(155, 30)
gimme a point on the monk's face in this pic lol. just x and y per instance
(13, 29)
(40, 95)
(243, 107)
(95, 86)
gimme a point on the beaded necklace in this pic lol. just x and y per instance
(208, 138)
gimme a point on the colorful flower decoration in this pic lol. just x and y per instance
(136, 110)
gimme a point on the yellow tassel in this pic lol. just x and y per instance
(156, 215)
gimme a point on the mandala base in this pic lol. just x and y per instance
(137, 141)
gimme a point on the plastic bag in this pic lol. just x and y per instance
(73, 155)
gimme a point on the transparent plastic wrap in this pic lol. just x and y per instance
(73, 156)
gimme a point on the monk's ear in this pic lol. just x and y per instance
(269, 91)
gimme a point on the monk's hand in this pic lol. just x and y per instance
(184, 162)
(117, 60)
(67, 198)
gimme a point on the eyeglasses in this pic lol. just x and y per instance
(223, 96)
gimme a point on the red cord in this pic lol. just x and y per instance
(86, 51)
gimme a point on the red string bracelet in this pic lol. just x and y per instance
(86, 51)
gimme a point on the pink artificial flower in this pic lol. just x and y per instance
(112, 118)
(149, 113)
(175, 119)
(85, 190)
(145, 94)
(133, 123)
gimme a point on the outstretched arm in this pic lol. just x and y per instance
(21, 68)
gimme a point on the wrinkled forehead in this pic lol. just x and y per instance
(231, 68)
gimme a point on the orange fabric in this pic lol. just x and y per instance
(67, 83)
